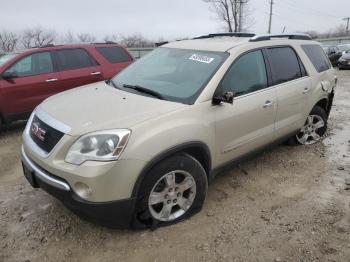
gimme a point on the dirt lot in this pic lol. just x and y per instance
(288, 204)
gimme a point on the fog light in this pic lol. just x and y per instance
(82, 190)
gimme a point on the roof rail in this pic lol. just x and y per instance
(236, 34)
(104, 43)
(289, 36)
(44, 46)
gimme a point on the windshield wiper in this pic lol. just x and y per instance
(111, 83)
(144, 90)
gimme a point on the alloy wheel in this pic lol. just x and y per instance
(172, 195)
(311, 131)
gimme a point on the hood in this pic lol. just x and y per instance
(99, 106)
(346, 56)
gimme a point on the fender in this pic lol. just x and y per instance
(185, 147)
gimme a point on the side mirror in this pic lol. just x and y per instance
(225, 98)
(9, 75)
(332, 53)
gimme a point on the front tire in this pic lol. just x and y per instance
(173, 190)
(314, 128)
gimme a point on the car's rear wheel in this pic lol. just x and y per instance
(314, 128)
(173, 190)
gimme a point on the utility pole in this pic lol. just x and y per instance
(347, 19)
(240, 16)
(270, 20)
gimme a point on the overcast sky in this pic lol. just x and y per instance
(164, 18)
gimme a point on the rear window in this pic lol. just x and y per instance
(317, 57)
(69, 59)
(284, 64)
(114, 54)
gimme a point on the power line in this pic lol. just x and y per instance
(304, 9)
(270, 20)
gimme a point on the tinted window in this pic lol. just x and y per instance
(317, 57)
(284, 64)
(114, 54)
(247, 74)
(35, 64)
(69, 59)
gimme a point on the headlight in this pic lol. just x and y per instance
(98, 146)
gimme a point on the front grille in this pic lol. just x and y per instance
(45, 136)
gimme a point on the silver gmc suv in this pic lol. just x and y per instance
(138, 150)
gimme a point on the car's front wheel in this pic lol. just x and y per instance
(173, 190)
(314, 128)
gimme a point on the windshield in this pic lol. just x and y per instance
(6, 58)
(176, 74)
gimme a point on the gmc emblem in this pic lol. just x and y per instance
(37, 131)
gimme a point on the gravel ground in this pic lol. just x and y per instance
(288, 204)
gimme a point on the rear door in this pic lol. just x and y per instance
(293, 87)
(248, 123)
(36, 80)
(77, 67)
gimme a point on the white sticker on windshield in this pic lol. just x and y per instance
(201, 58)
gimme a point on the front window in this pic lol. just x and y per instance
(177, 74)
(5, 58)
(35, 64)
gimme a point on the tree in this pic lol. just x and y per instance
(37, 37)
(86, 38)
(8, 41)
(232, 12)
(136, 40)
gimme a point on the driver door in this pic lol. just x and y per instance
(247, 123)
(36, 80)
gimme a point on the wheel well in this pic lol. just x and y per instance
(323, 103)
(198, 150)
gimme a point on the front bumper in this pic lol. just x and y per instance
(116, 214)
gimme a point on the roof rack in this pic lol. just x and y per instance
(44, 46)
(236, 34)
(104, 43)
(289, 36)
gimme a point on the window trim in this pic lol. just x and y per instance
(92, 59)
(54, 65)
(267, 69)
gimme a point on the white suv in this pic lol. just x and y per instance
(139, 150)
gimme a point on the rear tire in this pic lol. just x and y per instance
(314, 128)
(173, 190)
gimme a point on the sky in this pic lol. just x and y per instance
(167, 19)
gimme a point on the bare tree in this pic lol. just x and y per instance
(8, 41)
(86, 38)
(231, 12)
(37, 37)
(136, 40)
(111, 38)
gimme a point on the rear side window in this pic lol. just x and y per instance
(69, 59)
(284, 64)
(114, 54)
(317, 57)
(246, 75)
(35, 64)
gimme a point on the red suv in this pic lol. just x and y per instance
(30, 76)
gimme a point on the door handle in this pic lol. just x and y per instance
(95, 73)
(51, 80)
(306, 90)
(268, 103)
